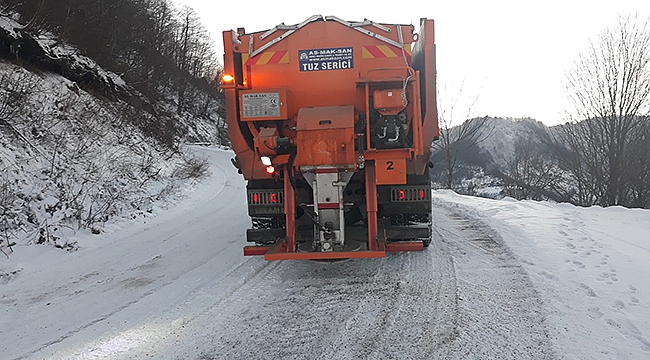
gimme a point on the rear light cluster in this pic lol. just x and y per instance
(410, 193)
(266, 197)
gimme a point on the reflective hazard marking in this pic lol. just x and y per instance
(384, 51)
(267, 58)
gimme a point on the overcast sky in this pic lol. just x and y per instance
(509, 55)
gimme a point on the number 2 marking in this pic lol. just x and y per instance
(390, 165)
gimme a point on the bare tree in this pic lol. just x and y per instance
(456, 139)
(609, 87)
(638, 161)
(530, 174)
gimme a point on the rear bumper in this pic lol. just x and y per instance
(281, 252)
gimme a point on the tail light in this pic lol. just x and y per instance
(410, 193)
(266, 197)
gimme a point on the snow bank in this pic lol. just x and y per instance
(590, 265)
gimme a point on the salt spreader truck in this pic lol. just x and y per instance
(332, 122)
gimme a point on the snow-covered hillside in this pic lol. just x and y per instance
(507, 133)
(70, 161)
(79, 146)
(502, 279)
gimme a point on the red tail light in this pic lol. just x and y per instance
(265, 197)
(270, 170)
(410, 193)
(265, 202)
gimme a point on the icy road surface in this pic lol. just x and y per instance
(177, 287)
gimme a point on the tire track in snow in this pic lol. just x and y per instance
(466, 296)
(500, 313)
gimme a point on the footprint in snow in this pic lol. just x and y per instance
(594, 312)
(618, 305)
(549, 275)
(589, 290)
(578, 264)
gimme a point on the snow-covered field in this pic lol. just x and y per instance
(502, 279)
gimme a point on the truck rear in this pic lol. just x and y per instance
(332, 122)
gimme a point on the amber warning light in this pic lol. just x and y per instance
(228, 78)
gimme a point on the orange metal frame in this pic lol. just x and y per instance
(339, 87)
(287, 250)
(275, 66)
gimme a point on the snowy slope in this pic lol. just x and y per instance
(502, 279)
(79, 146)
(508, 132)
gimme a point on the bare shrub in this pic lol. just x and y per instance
(191, 168)
(7, 215)
(15, 88)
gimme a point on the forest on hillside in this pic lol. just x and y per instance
(97, 102)
(163, 52)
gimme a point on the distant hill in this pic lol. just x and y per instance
(483, 164)
(582, 162)
(507, 134)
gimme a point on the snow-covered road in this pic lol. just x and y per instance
(178, 287)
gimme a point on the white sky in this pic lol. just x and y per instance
(512, 55)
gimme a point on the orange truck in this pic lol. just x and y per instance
(332, 124)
